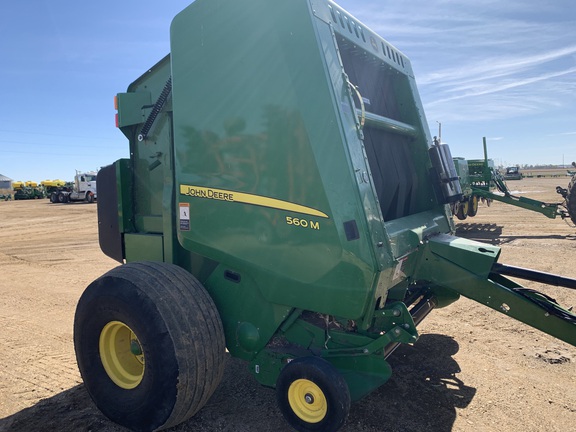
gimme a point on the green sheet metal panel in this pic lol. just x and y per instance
(462, 169)
(272, 172)
(264, 176)
(144, 247)
(152, 157)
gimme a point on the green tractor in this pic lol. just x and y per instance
(283, 200)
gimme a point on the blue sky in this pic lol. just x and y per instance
(502, 69)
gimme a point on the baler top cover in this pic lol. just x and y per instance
(301, 132)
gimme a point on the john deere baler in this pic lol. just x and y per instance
(283, 200)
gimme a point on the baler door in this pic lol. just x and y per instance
(393, 133)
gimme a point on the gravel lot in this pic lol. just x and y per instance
(471, 370)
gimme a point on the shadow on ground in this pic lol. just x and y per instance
(422, 394)
(487, 233)
(492, 233)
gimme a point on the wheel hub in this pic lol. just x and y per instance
(121, 355)
(307, 401)
(135, 347)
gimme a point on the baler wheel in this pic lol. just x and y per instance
(571, 199)
(462, 212)
(149, 344)
(312, 395)
(473, 205)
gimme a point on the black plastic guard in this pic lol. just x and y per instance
(109, 234)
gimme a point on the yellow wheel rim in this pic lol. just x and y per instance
(462, 211)
(121, 355)
(307, 401)
(474, 204)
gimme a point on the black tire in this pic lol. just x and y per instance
(462, 212)
(312, 395)
(473, 205)
(571, 199)
(54, 197)
(62, 198)
(172, 358)
(90, 197)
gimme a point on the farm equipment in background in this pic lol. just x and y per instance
(481, 181)
(513, 173)
(475, 174)
(28, 190)
(284, 200)
(51, 186)
(82, 189)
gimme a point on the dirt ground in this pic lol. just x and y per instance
(471, 370)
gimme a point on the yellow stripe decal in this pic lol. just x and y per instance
(231, 196)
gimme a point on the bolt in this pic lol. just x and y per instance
(135, 347)
(396, 312)
(309, 398)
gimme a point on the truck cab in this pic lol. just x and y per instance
(513, 173)
(84, 187)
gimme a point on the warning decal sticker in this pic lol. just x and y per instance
(184, 216)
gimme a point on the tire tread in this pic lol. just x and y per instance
(193, 323)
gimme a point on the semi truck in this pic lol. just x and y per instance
(82, 189)
(283, 200)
